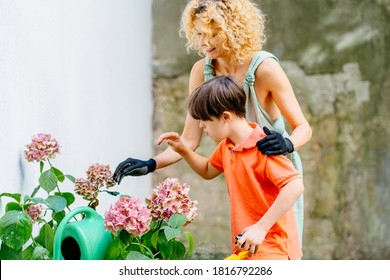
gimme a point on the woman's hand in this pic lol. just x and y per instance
(133, 167)
(274, 144)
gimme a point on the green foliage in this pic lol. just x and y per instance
(16, 226)
(163, 241)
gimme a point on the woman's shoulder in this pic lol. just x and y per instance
(197, 74)
(269, 66)
(198, 65)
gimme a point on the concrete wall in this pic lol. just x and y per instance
(80, 70)
(336, 56)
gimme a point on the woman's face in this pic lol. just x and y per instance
(214, 48)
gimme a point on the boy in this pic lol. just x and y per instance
(262, 189)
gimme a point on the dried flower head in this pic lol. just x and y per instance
(130, 214)
(100, 174)
(43, 146)
(86, 189)
(170, 197)
(34, 211)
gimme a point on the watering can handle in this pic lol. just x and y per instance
(88, 211)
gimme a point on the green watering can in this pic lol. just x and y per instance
(85, 239)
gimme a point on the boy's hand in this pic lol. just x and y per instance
(172, 139)
(251, 238)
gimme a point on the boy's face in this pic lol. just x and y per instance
(215, 129)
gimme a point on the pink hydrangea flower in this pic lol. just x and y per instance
(130, 214)
(170, 197)
(34, 211)
(100, 174)
(86, 189)
(43, 146)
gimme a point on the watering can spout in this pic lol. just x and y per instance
(81, 240)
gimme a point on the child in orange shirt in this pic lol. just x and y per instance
(262, 189)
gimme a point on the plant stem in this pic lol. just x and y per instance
(142, 245)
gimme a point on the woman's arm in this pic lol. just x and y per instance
(192, 133)
(276, 95)
(191, 136)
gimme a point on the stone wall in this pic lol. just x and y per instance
(336, 56)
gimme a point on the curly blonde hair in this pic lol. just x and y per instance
(239, 22)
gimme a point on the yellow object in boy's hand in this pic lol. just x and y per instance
(240, 256)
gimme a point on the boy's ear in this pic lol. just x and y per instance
(227, 116)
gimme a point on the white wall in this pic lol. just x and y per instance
(80, 70)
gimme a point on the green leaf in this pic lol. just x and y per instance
(58, 173)
(58, 216)
(154, 238)
(171, 233)
(35, 200)
(191, 242)
(15, 196)
(46, 235)
(177, 220)
(48, 180)
(71, 178)
(41, 165)
(35, 191)
(13, 206)
(7, 253)
(176, 249)
(15, 229)
(135, 255)
(56, 203)
(113, 193)
(41, 253)
(115, 250)
(125, 237)
(68, 196)
(27, 253)
(164, 250)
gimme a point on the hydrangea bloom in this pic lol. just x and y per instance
(100, 174)
(86, 189)
(34, 211)
(43, 146)
(130, 214)
(170, 197)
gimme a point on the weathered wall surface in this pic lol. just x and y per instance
(336, 56)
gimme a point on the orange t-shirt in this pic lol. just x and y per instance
(254, 181)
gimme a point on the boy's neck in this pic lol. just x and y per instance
(240, 131)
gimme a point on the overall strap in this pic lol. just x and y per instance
(208, 69)
(255, 112)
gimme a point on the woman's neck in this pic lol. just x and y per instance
(223, 66)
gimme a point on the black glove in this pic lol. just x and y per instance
(274, 144)
(133, 167)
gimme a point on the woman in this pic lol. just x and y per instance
(230, 34)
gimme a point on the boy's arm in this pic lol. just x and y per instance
(254, 235)
(198, 163)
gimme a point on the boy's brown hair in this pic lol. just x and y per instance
(215, 96)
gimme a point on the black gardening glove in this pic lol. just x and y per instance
(274, 144)
(133, 167)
